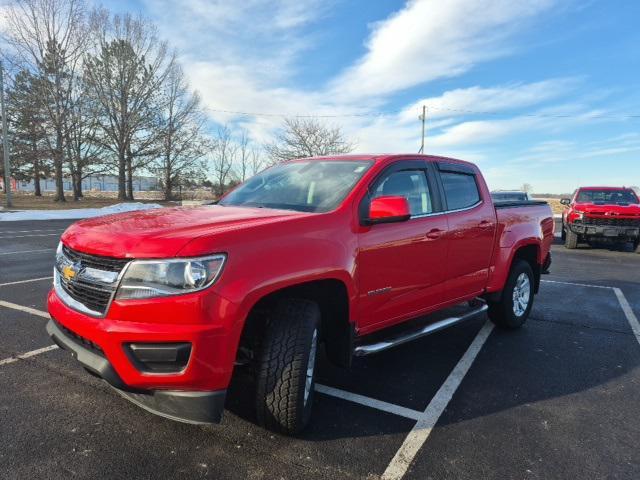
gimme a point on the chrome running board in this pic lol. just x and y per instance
(362, 350)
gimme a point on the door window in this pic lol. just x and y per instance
(411, 184)
(460, 190)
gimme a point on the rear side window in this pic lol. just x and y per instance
(460, 190)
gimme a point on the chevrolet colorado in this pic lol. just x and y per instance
(601, 214)
(343, 252)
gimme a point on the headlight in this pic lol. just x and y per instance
(160, 278)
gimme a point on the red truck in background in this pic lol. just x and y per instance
(164, 304)
(601, 214)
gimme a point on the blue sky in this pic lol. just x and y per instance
(538, 91)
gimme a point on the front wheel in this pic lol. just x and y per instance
(571, 240)
(513, 309)
(286, 369)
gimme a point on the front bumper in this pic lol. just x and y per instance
(606, 231)
(199, 407)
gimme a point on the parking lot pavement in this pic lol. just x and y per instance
(556, 399)
(26, 248)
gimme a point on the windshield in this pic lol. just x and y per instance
(509, 196)
(607, 196)
(305, 186)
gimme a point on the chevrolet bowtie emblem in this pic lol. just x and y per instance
(69, 272)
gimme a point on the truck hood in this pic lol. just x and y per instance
(599, 209)
(162, 233)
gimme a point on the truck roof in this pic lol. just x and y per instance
(604, 188)
(378, 157)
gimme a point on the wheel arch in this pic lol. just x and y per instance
(332, 296)
(530, 252)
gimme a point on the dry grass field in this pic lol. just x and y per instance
(556, 206)
(28, 201)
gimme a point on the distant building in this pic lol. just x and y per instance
(96, 183)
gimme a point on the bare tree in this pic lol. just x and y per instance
(256, 161)
(180, 124)
(307, 137)
(85, 155)
(224, 153)
(124, 77)
(244, 157)
(527, 188)
(49, 37)
(249, 159)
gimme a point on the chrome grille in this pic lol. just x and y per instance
(612, 222)
(93, 284)
(94, 261)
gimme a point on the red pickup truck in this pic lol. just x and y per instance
(603, 214)
(164, 304)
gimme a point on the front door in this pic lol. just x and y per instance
(401, 266)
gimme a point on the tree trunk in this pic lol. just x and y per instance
(58, 159)
(168, 183)
(122, 194)
(80, 194)
(77, 184)
(129, 178)
(168, 189)
(59, 180)
(36, 178)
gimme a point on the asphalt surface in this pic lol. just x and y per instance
(557, 399)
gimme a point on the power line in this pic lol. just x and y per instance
(298, 115)
(373, 114)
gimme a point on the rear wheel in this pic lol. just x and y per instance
(563, 233)
(286, 369)
(571, 240)
(512, 310)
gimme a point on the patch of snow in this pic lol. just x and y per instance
(75, 213)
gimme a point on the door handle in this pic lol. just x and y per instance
(485, 224)
(434, 233)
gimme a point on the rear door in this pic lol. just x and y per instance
(401, 266)
(472, 226)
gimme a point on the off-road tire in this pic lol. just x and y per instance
(502, 312)
(571, 240)
(282, 366)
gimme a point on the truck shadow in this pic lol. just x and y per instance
(610, 246)
(561, 351)
(407, 376)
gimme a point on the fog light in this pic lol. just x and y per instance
(159, 357)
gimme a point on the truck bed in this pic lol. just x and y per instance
(519, 203)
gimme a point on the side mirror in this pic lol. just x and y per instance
(388, 209)
(565, 201)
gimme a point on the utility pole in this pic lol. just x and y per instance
(423, 117)
(5, 142)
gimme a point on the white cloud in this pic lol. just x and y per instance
(243, 56)
(431, 39)
(262, 35)
(461, 101)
